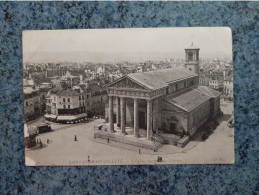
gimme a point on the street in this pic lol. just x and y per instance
(63, 150)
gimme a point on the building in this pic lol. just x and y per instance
(44, 88)
(203, 77)
(70, 79)
(65, 104)
(32, 103)
(166, 105)
(33, 106)
(228, 86)
(216, 80)
(95, 99)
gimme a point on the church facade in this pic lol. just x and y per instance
(163, 103)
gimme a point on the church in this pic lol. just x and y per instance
(165, 106)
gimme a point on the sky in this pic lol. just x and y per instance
(116, 45)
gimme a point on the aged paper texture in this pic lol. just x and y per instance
(128, 96)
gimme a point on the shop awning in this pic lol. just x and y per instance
(71, 117)
(52, 116)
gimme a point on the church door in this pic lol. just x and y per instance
(172, 127)
(114, 118)
(142, 120)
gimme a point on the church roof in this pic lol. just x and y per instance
(208, 91)
(192, 98)
(160, 78)
(188, 100)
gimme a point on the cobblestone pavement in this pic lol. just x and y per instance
(63, 150)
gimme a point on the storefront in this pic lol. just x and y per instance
(30, 134)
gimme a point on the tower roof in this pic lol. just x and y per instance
(192, 46)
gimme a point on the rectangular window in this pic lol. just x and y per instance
(64, 100)
(26, 103)
(64, 106)
(68, 99)
(68, 106)
(80, 97)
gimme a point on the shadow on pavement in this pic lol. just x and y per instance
(38, 146)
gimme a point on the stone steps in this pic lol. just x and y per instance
(139, 142)
(158, 141)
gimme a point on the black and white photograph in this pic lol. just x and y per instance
(133, 96)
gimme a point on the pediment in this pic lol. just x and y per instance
(126, 83)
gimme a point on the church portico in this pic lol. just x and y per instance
(138, 107)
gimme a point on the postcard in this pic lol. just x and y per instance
(135, 96)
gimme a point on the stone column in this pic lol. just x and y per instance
(155, 116)
(123, 114)
(111, 114)
(118, 121)
(136, 118)
(149, 119)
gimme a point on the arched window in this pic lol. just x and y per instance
(190, 56)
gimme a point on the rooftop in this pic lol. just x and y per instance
(160, 78)
(192, 98)
(29, 90)
(208, 91)
(66, 91)
(28, 82)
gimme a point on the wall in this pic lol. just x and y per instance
(198, 116)
(172, 114)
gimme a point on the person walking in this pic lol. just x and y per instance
(40, 143)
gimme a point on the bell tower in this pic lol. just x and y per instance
(192, 59)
